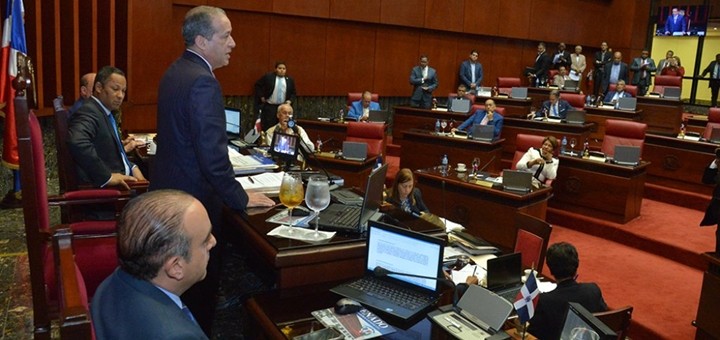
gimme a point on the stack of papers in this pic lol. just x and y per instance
(267, 183)
(249, 164)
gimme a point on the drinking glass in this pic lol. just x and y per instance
(443, 125)
(317, 198)
(573, 142)
(291, 193)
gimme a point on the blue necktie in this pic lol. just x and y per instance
(188, 313)
(126, 161)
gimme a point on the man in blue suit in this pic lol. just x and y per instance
(192, 153)
(471, 72)
(612, 97)
(424, 80)
(555, 107)
(488, 116)
(675, 23)
(164, 243)
(360, 109)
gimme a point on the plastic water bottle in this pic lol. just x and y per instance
(378, 163)
(588, 100)
(444, 167)
(563, 145)
(437, 126)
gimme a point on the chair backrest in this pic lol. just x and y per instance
(505, 84)
(355, 96)
(469, 96)
(575, 100)
(713, 121)
(524, 142)
(617, 319)
(526, 241)
(631, 89)
(551, 75)
(66, 166)
(623, 132)
(663, 82)
(372, 134)
(73, 298)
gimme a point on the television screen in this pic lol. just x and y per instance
(581, 324)
(284, 146)
(682, 20)
(232, 121)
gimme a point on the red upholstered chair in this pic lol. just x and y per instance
(663, 82)
(575, 100)
(713, 121)
(371, 133)
(355, 96)
(476, 107)
(505, 84)
(631, 89)
(622, 132)
(551, 76)
(533, 236)
(617, 319)
(524, 142)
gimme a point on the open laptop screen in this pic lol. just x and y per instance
(232, 121)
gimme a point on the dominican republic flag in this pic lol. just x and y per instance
(13, 41)
(527, 299)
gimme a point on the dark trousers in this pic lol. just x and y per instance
(714, 95)
(642, 86)
(597, 81)
(268, 115)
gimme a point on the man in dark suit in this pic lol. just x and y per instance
(271, 90)
(643, 68)
(93, 138)
(612, 97)
(614, 71)
(192, 152)
(602, 58)
(488, 116)
(164, 241)
(675, 23)
(562, 259)
(555, 107)
(538, 74)
(714, 84)
(712, 213)
(561, 57)
(424, 80)
(471, 72)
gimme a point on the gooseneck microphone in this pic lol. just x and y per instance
(486, 164)
(304, 150)
(381, 272)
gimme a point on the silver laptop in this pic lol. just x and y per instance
(571, 85)
(518, 92)
(479, 314)
(460, 105)
(378, 116)
(672, 93)
(627, 103)
(484, 133)
(575, 117)
(626, 155)
(484, 91)
(355, 151)
(517, 180)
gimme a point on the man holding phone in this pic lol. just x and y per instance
(712, 214)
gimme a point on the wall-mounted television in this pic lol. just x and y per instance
(682, 21)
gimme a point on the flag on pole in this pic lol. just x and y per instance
(527, 299)
(13, 41)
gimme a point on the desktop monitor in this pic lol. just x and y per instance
(692, 20)
(581, 324)
(232, 121)
(284, 146)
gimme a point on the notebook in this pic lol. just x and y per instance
(672, 93)
(402, 251)
(575, 117)
(504, 275)
(518, 92)
(461, 105)
(485, 133)
(517, 180)
(627, 103)
(355, 151)
(479, 314)
(571, 85)
(378, 116)
(353, 218)
(627, 155)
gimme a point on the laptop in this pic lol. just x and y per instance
(484, 133)
(402, 251)
(571, 85)
(714, 135)
(517, 180)
(378, 116)
(461, 105)
(355, 151)
(626, 155)
(672, 93)
(575, 117)
(627, 103)
(480, 314)
(232, 122)
(518, 92)
(352, 218)
(504, 275)
(484, 91)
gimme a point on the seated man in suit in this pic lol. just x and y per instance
(561, 77)
(93, 138)
(284, 115)
(164, 241)
(360, 110)
(612, 97)
(555, 107)
(484, 117)
(562, 259)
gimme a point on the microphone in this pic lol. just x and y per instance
(486, 164)
(304, 150)
(379, 271)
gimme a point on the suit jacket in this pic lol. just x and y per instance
(356, 109)
(93, 145)
(672, 26)
(542, 65)
(563, 59)
(551, 307)
(192, 152)
(611, 94)
(478, 117)
(601, 61)
(563, 107)
(265, 86)
(712, 213)
(709, 70)
(125, 307)
(578, 64)
(416, 79)
(466, 73)
(624, 74)
(635, 67)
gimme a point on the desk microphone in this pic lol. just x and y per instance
(486, 164)
(382, 272)
(304, 151)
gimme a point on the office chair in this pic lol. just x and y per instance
(622, 132)
(617, 319)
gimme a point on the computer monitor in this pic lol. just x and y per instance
(581, 324)
(284, 146)
(232, 121)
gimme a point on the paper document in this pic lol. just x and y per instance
(268, 183)
(249, 163)
(450, 225)
(459, 276)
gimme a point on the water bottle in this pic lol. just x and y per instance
(319, 144)
(437, 126)
(444, 167)
(563, 145)
(588, 100)
(378, 163)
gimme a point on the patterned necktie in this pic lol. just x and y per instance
(113, 127)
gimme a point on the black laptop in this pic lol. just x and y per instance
(401, 251)
(484, 133)
(378, 116)
(504, 275)
(353, 218)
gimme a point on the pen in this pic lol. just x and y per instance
(474, 270)
(251, 180)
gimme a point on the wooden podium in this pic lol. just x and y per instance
(706, 321)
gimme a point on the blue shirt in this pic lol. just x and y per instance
(478, 117)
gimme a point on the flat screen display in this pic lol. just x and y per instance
(284, 146)
(682, 21)
(232, 121)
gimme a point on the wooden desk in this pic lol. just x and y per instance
(708, 326)
(422, 149)
(407, 118)
(513, 107)
(600, 190)
(600, 115)
(662, 116)
(485, 212)
(290, 263)
(327, 130)
(697, 123)
(678, 163)
(538, 95)
(355, 173)
(514, 126)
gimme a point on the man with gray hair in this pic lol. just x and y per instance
(164, 242)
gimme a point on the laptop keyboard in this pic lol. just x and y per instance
(347, 216)
(396, 295)
(509, 295)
